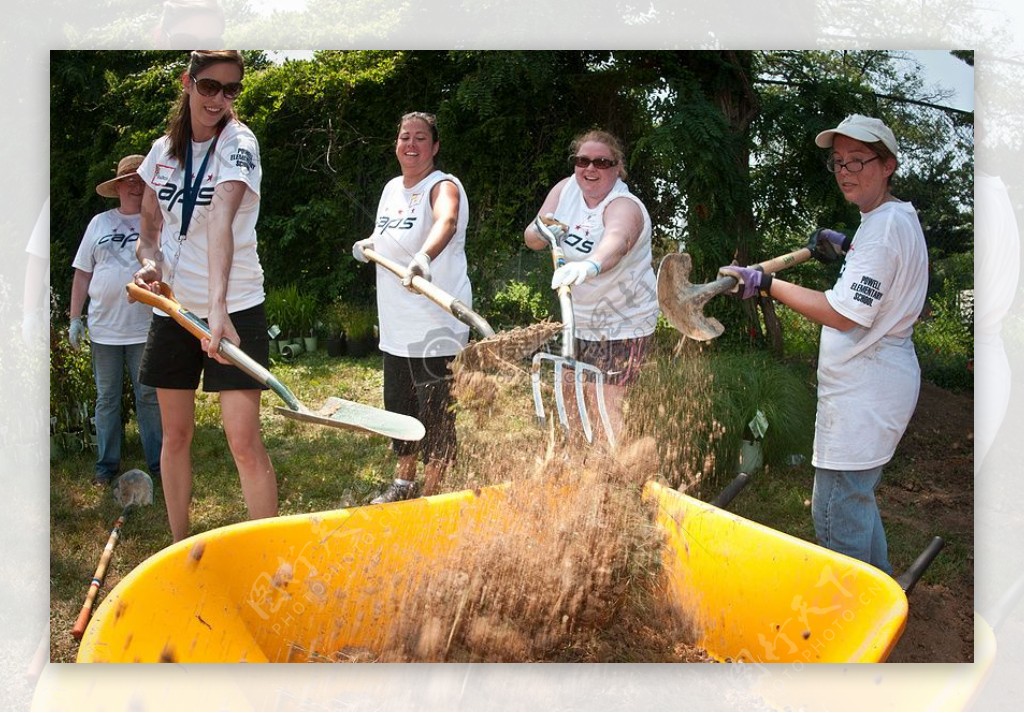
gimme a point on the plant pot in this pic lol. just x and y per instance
(360, 346)
(751, 457)
(282, 343)
(336, 346)
(310, 343)
(273, 347)
(290, 351)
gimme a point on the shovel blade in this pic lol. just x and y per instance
(353, 416)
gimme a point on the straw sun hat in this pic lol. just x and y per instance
(125, 167)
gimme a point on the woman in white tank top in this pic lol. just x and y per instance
(608, 254)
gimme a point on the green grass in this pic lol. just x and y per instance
(323, 468)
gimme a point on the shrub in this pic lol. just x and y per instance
(518, 304)
(944, 341)
(697, 403)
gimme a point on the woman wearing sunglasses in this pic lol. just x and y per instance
(868, 374)
(608, 253)
(198, 235)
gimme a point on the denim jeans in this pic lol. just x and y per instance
(846, 516)
(108, 364)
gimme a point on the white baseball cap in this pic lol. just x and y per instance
(862, 128)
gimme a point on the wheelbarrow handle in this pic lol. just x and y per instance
(452, 305)
(166, 302)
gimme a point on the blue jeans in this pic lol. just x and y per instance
(108, 364)
(846, 516)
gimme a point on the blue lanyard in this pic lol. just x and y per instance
(191, 193)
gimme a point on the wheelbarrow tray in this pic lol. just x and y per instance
(305, 587)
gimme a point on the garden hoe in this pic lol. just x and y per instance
(131, 489)
(683, 303)
(335, 412)
(567, 360)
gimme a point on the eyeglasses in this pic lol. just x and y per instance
(210, 87)
(601, 162)
(853, 166)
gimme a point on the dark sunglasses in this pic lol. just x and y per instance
(210, 87)
(600, 162)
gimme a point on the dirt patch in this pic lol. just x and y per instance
(937, 496)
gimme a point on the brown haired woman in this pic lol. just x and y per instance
(608, 253)
(199, 235)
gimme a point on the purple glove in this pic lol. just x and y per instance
(751, 279)
(827, 245)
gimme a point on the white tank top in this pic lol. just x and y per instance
(622, 302)
(410, 324)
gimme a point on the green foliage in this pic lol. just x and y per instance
(71, 382)
(944, 340)
(714, 395)
(518, 304)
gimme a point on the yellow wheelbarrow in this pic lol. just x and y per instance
(304, 587)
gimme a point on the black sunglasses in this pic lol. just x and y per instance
(210, 87)
(600, 162)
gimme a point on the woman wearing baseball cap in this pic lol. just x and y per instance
(868, 374)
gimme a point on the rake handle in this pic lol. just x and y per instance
(97, 579)
(166, 302)
(452, 305)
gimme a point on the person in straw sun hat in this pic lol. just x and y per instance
(104, 264)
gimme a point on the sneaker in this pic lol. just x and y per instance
(101, 481)
(395, 492)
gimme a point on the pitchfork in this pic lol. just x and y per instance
(552, 231)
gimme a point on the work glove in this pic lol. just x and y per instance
(575, 273)
(76, 333)
(828, 245)
(357, 249)
(419, 265)
(752, 280)
(553, 231)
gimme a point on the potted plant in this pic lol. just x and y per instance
(305, 314)
(359, 331)
(334, 324)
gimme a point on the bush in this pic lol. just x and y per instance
(71, 382)
(945, 342)
(697, 404)
(518, 304)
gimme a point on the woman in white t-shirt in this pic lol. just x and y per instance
(608, 254)
(868, 375)
(421, 220)
(199, 236)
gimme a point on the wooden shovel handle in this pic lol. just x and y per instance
(166, 302)
(97, 579)
(783, 261)
(455, 307)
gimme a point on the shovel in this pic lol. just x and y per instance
(131, 489)
(568, 356)
(683, 303)
(335, 412)
(452, 305)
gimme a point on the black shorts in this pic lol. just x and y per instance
(422, 387)
(174, 358)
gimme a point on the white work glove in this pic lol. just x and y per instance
(76, 333)
(357, 249)
(553, 233)
(575, 273)
(419, 265)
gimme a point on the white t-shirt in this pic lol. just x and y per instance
(186, 264)
(620, 303)
(410, 324)
(107, 251)
(868, 376)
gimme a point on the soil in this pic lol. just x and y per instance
(938, 497)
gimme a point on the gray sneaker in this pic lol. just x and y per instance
(395, 492)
